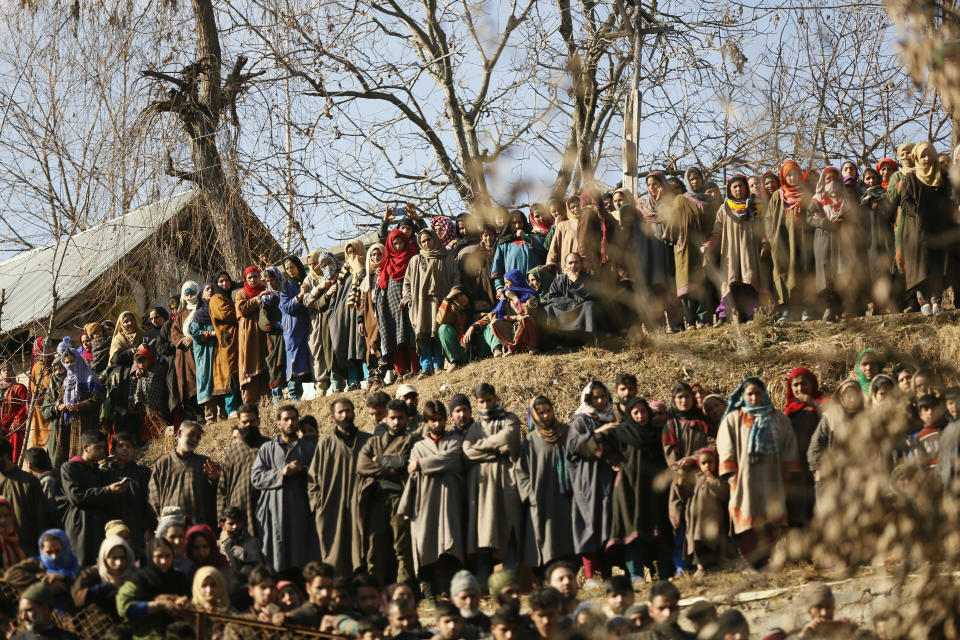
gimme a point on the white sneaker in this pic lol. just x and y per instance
(927, 310)
(804, 316)
(388, 378)
(936, 309)
(592, 583)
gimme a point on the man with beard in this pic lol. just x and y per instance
(134, 509)
(280, 474)
(382, 466)
(235, 488)
(332, 487)
(89, 497)
(318, 578)
(495, 510)
(461, 414)
(186, 479)
(36, 611)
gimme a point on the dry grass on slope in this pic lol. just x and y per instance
(716, 358)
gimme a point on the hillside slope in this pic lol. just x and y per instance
(718, 358)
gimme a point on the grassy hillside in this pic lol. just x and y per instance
(716, 358)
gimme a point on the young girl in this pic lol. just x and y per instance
(790, 242)
(204, 342)
(757, 449)
(832, 215)
(804, 405)
(397, 338)
(429, 277)
(868, 366)
(349, 347)
(706, 517)
(512, 327)
(639, 523)
(737, 235)
(367, 324)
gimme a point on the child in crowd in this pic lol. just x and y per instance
(925, 444)
(619, 595)
(240, 548)
(706, 512)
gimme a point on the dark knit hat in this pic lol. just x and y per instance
(458, 400)
(38, 592)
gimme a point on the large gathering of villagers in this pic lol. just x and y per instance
(489, 519)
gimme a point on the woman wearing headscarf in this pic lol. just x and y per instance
(56, 565)
(321, 285)
(270, 321)
(397, 338)
(838, 247)
(512, 326)
(127, 338)
(687, 226)
(640, 525)
(564, 238)
(927, 211)
(184, 366)
(686, 431)
(78, 406)
(10, 550)
(14, 407)
(367, 324)
(878, 217)
(298, 327)
(541, 222)
(429, 277)
(446, 230)
(649, 261)
(210, 593)
(790, 242)
(204, 341)
(154, 594)
(223, 314)
(906, 167)
(738, 233)
(758, 450)
(349, 347)
(98, 585)
(517, 249)
(148, 393)
(540, 278)
(837, 422)
(203, 551)
(803, 408)
(589, 443)
(251, 339)
(596, 235)
(543, 480)
(41, 372)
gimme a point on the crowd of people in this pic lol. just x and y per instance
(348, 530)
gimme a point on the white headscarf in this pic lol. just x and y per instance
(109, 544)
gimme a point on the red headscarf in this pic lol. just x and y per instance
(253, 292)
(794, 405)
(394, 265)
(896, 167)
(215, 559)
(790, 195)
(539, 228)
(10, 550)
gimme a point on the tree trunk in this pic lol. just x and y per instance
(222, 202)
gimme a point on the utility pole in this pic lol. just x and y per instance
(642, 23)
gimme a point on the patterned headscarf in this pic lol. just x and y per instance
(446, 230)
(762, 439)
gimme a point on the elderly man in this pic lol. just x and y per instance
(186, 479)
(36, 612)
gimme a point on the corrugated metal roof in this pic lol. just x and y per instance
(28, 277)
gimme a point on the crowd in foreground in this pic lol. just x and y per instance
(435, 293)
(450, 501)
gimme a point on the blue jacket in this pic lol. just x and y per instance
(520, 255)
(296, 331)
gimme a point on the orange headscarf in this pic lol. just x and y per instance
(896, 167)
(790, 195)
